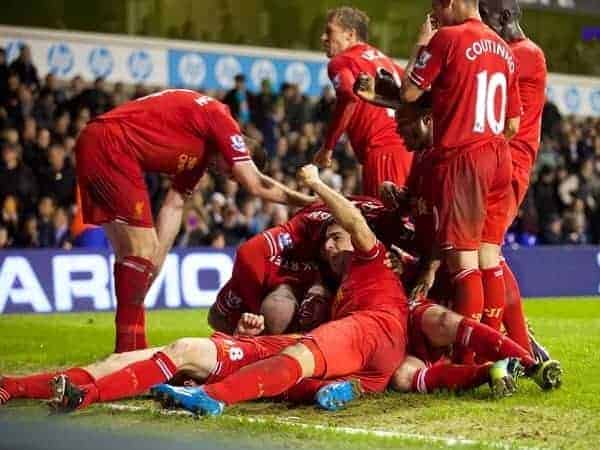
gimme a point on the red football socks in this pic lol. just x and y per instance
(135, 379)
(468, 293)
(490, 344)
(452, 377)
(133, 277)
(267, 378)
(304, 391)
(38, 386)
(494, 293)
(514, 316)
(468, 302)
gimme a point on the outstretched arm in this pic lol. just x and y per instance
(344, 212)
(266, 187)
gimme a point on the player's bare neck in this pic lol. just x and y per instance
(513, 32)
(467, 13)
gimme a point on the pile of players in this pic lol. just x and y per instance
(317, 309)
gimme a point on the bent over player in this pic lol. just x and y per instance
(176, 132)
(370, 129)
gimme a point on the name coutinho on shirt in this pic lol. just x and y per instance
(488, 46)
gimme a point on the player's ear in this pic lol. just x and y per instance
(505, 17)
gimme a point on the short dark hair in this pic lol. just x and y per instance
(350, 18)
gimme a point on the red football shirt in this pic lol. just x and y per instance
(532, 88)
(366, 125)
(472, 74)
(368, 285)
(174, 131)
(301, 236)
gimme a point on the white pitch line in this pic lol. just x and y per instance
(290, 421)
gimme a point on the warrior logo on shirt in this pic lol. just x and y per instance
(423, 59)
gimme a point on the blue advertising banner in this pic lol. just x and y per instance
(209, 70)
(64, 281)
(45, 281)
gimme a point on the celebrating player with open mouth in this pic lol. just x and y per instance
(370, 129)
(176, 132)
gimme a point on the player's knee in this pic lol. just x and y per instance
(402, 380)
(199, 357)
(458, 260)
(489, 256)
(145, 246)
(278, 309)
(180, 351)
(304, 356)
(440, 325)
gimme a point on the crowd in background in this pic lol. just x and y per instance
(40, 119)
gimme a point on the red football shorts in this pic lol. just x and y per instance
(255, 274)
(366, 345)
(110, 179)
(235, 352)
(385, 164)
(471, 195)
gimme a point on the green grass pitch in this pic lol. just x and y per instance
(567, 418)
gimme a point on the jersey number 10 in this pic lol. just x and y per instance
(485, 108)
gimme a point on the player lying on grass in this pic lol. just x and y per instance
(274, 269)
(176, 132)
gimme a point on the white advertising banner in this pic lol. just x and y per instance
(175, 63)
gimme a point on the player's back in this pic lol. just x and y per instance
(166, 129)
(370, 126)
(369, 285)
(532, 89)
(472, 95)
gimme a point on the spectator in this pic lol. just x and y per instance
(45, 225)
(62, 238)
(24, 68)
(17, 178)
(58, 179)
(5, 241)
(96, 98)
(51, 87)
(264, 103)
(3, 75)
(575, 223)
(325, 105)
(553, 233)
(296, 107)
(239, 100)
(29, 236)
(10, 216)
(546, 195)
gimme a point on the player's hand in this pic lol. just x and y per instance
(428, 30)
(308, 175)
(392, 196)
(423, 284)
(398, 260)
(323, 158)
(250, 325)
(364, 87)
